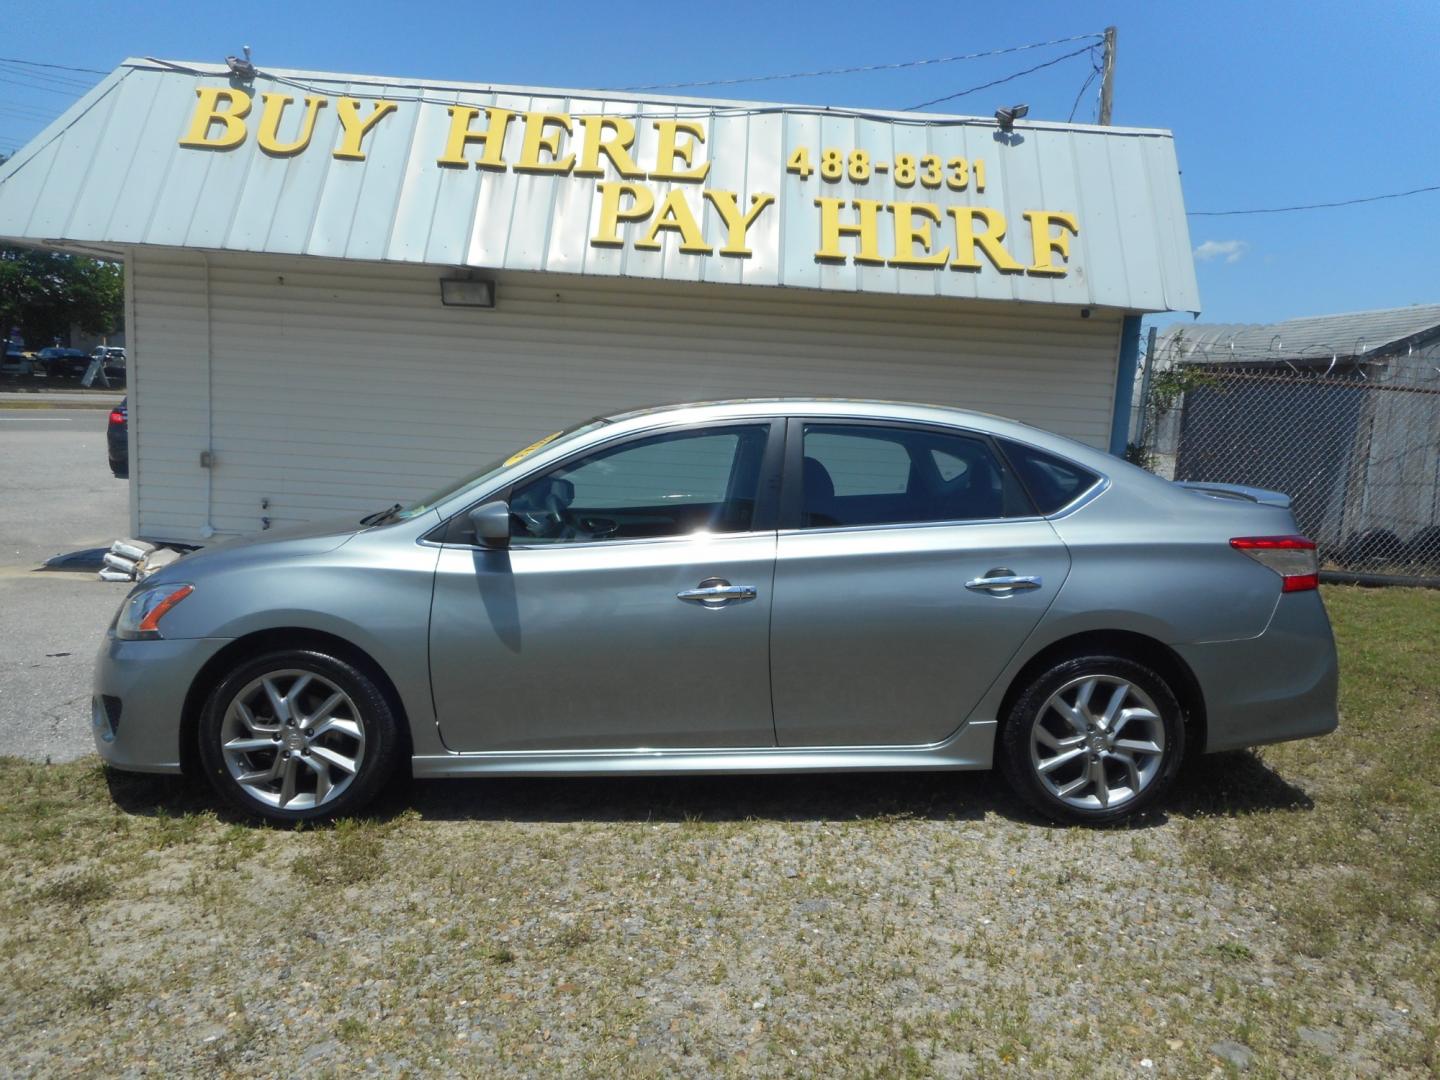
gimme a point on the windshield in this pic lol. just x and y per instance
(476, 478)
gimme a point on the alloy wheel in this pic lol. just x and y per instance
(292, 739)
(1097, 742)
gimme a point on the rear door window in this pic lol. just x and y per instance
(877, 474)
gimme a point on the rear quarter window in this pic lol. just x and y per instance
(1053, 482)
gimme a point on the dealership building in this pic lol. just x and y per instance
(343, 291)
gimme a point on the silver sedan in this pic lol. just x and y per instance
(751, 586)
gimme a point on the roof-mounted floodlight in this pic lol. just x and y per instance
(1006, 117)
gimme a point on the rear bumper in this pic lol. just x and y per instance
(1278, 686)
(139, 695)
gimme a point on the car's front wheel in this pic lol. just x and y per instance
(298, 735)
(1093, 739)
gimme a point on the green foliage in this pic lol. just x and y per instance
(1169, 386)
(1140, 454)
(45, 293)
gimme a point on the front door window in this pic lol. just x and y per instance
(677, 484)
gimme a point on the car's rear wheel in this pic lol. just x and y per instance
(1093, 739)
(298, 735)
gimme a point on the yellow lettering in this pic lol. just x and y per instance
(616, 149)
(354, 129)
(727, 205)
(611, 212)
(462, 136)
(267, 136)
(222, 105)
(865, 231)
(1042, 243)
(909, 232)
(989, 239)
(538, 139)
(675, 215)
(667, 150)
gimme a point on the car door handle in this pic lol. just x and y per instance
(713, 592)
(1003, 582)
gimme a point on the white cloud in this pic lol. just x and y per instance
(1231, 250)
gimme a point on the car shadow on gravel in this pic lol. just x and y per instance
(1231, 784)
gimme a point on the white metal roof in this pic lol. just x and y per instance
(111, 173)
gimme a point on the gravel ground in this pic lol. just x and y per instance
(832, 926)
(1276, 917)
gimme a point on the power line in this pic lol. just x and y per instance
(1094, 70)
(69, 92)
(997, 82)
(425, 95)
(58, 67)
(866, 67)
(1315, 206)
(45, 78)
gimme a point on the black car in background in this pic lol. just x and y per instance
(117, 445)
(58, 363)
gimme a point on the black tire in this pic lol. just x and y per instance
(1158, 771)
(380, 751)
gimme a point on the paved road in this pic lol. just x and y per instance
(56, 495)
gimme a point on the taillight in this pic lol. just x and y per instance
(1294, 558)
(116, 416)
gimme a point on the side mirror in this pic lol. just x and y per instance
(492, 523)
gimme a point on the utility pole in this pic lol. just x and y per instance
(1107, 77)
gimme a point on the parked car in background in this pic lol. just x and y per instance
(16, 364)
(117, 444)
(58, 363)
(112, 363)
(752, 586)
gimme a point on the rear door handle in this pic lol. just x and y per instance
(1003, 581)
(715, 592)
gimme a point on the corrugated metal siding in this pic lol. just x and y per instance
(111, 172)
(341, 387)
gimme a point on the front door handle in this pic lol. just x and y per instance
(1002, 581)
(716, 592)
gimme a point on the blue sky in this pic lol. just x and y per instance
(1273, 102)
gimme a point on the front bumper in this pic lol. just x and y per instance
(1281, 685)
(139, 696)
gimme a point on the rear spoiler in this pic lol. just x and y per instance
(1238, 491)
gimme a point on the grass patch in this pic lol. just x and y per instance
(350, 853)
(78, 891)
(1368, 853)
(100, 994)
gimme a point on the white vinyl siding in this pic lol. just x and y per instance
(337, 387)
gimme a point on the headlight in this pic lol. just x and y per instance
(140, 615)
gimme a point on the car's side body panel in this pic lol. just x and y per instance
(971, 747)
(588, 646)
(876, 637)
(370, 589)
(1281, 685)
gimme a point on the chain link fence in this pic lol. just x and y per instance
(1356, 447)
